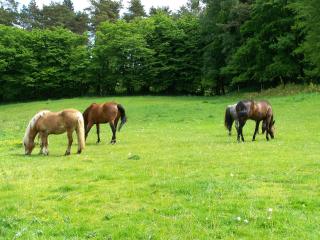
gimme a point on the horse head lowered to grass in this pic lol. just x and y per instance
(257, 111)
(45, 123)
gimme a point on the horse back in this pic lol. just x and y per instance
(58, 122)
(244, 108)
(101, 113)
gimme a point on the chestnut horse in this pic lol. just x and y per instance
(257, 111)
(109, 112)
(45, 123)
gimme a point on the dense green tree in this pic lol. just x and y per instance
(17, 63)
(135, 9)
(216, 37)
(308, 22)
(68, 4)
(156, 10)
(56, 14)
(121, 57)
(31, 16)
(9, 12)
(267, 55)
(191, 7)
(42, 63)
(104, 10)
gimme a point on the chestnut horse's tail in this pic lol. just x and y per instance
(122, 116)
(85, 116)
(80, 132)
(228, 119)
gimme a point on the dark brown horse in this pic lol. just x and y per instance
(257, 111)
(109, 112)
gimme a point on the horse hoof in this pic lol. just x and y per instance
(67, 153)
(79, 151)
(113, 142)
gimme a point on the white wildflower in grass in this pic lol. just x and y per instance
(231, 174)
(270, 210)
(129, 154)
(238, 219)
(246, 221)
(269, 217)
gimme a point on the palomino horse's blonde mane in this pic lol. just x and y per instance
(32, 123)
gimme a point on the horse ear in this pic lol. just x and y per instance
(274, 121)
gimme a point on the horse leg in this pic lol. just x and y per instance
(239, 130)
(44, 140)
(241, 133)
(41, 142)
(268, 120)
(236, 124)
(98, 132)
(88, 128)
(113, 128)
(116, 122)
(256, 130)
(70, 140)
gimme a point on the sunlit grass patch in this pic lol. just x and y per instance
(173, 174)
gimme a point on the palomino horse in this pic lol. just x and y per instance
(257, 111)
(45, 123)
(109, 112)
(230, 117)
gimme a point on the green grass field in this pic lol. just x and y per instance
(173, 174)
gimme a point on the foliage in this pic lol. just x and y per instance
(121, 57)
(135, 9)
(104, 10)
(308, 21)
(8, 12)
(207, 47)
(42, 63)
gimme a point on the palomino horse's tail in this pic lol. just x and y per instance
(80, 132)
(122, 116)
(228, 119)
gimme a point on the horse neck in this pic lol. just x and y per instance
(31, 130)
(32, 134)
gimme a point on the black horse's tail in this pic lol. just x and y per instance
(242, 110)
(122, 116)
(228, 119)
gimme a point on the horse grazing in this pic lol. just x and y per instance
(45, 123)
(109, 112)
(257, 111)
(230, 117)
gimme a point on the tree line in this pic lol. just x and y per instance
(207, 47)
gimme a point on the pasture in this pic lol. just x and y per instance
(173, 174)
